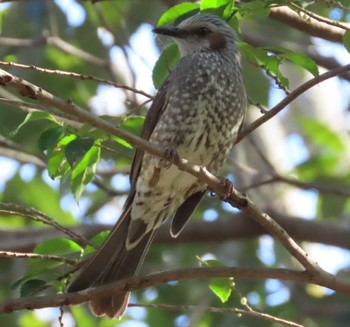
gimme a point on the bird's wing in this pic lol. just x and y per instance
(152, 117)
(184, 212)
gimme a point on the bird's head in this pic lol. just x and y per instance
(201, 33)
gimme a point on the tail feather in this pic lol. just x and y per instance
(112, 262)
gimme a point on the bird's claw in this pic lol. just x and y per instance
(172, 157)
(228, 188)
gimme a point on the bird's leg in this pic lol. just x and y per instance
(171, 157)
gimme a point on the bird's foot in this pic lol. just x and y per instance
(227, 187)
(172, 157)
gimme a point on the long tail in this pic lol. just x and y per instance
(110, 263)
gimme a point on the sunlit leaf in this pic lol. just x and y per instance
(172, 14)
(298, 58)
(132, 124)
(57, 246)
(221, 287)
(76, 150)
(221, 8)
(98, 239)
(84, 171)
(57, 164)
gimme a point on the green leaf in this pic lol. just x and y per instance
(255, 8)
(221, 8)
(132, 124)
(98, 239)
(311, 168)
(222, 288)
(302, 60)
(331, 206)
(76, 150)
(172, 14)
(328, 140)
(49, 139)
(31, 286)
(165, 63)
(57, 246)
(346, 40)
(57, 164)
(34, 116)
(84, 172)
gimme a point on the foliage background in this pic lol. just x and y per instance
(296, 166)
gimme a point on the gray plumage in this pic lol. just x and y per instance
(197, 112)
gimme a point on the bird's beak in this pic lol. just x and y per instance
(170, 31)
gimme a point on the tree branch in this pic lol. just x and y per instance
(315, 273)
(7, 254)
(137, 282)
(235, 311)
(310, 25)
(290, 97)
(236, 227)
(75, 75)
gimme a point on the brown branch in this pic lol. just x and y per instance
(76, 75)
(290, 97)
(317, 274)
(310, 26)
(36, 215)
(336, 190)
(31, 107)
(7, 254)
(137, 282)
(318, 18)
(236, 227)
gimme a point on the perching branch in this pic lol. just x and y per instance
(313, 271)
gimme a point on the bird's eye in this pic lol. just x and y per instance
(202, 31)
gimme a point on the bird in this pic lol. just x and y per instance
(196, 114)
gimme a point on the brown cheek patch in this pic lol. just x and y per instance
(217, 41)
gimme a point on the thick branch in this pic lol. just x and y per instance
(224, 229)
(310, 25)
(135, 283)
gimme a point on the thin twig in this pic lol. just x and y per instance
(235, 311)
(290, 97)
(75, 75)
(31, 213)
(8, 254)
(319, 18)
